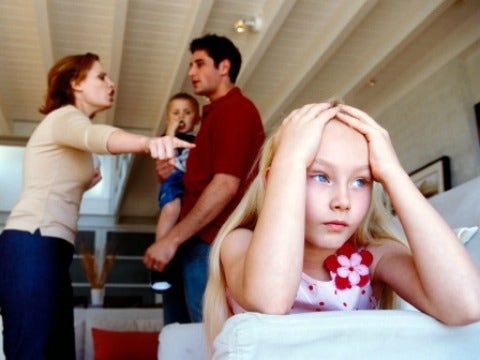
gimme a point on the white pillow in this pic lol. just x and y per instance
(464, 234)
(153, 324)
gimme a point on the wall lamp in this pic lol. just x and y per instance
(252, 24)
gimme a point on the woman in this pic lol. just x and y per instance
(37, 244)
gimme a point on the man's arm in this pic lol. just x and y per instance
(213, 200)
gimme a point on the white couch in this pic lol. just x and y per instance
(393, 334)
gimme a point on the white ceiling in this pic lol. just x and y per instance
(306, 51)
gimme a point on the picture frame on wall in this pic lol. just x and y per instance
(477, 116)
(434, 177)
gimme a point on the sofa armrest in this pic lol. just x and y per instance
(377, 334)
(182, 341)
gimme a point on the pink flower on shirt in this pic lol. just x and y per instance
(350, 267)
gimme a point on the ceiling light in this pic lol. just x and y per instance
(248, 24)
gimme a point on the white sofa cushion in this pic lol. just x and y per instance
(464, 234)
(473, 247)
(367, 334)
(182, 341)
(460, 205)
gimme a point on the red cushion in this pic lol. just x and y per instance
(125, 345)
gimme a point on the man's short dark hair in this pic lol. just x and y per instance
(219, 48)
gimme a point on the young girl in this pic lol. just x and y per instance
(311, 233)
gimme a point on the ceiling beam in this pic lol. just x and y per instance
(455, 43)
(125, 161)
(118, 37)
(273, 18)
(5, 128)
(44, 33)
(194, 25)
(13, 141)
(350, 14)
(393, 43)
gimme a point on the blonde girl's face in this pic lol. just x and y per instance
(339, 187)
(184, 113)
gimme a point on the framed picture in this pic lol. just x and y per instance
(434, 177)
(477, 116)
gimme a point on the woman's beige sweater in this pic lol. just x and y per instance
(57, 169)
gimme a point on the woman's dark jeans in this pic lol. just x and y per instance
(36, 296)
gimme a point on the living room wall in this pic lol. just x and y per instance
(437, 118)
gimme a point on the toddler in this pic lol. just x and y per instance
(182, 117)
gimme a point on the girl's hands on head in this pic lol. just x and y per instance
(300, 133)
(383, 159)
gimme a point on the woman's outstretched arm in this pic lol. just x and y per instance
(163, 147)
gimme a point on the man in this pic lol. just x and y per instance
(218, 171)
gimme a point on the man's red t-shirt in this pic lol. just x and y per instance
(228, 142)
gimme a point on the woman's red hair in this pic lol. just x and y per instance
(68, 69)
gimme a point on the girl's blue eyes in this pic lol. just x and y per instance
(320, 178)
(360, 182)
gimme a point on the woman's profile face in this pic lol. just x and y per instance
(96, 91)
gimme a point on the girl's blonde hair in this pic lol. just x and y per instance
(375, 227)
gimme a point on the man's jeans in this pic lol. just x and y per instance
(188, 275)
